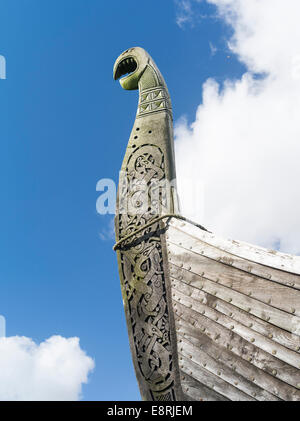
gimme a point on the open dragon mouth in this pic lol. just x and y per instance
(125, 67)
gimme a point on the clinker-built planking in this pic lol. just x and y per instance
(208, 319)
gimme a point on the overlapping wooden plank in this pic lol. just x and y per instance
(194, 390)
(212, 381)
(190, 298)
(196, 243)
(238, 345)
(284, 320)
(277, 295)
(282, 337)
(218, 350)
(271, 258)
(242, 385)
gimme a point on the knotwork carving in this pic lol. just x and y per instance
(143, 280)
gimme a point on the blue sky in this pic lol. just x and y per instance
(64, 125)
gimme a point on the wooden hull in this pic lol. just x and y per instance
(208, 319)
(237, 321)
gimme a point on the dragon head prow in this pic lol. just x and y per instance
(131, 64)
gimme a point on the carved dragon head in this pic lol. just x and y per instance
(138, 70)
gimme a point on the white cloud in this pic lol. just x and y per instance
(187, 12)
(184, 12)
(241, 154)
(108, 231)
(53, 370)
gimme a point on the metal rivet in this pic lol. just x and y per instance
(231, 327)
(270, 335)
(204, 364)
(252, 339)
(249, 294)
(293, 310)
(236, 383)
(230, 314)
(249, 358)
(254, 394)
(229, 300)
(219, 373)
(274, 352)
(274, 372)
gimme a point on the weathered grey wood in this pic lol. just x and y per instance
(234, 384)
(269, 258)
(284, 320)
(246, 333)
(270, 332)
(216, 383)
(208, 318)
(193, 238)
(238, 365)
(272, 293)
(194, 390)
(238, 345)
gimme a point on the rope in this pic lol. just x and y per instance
(158, 218)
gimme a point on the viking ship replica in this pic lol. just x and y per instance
(208, 319)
